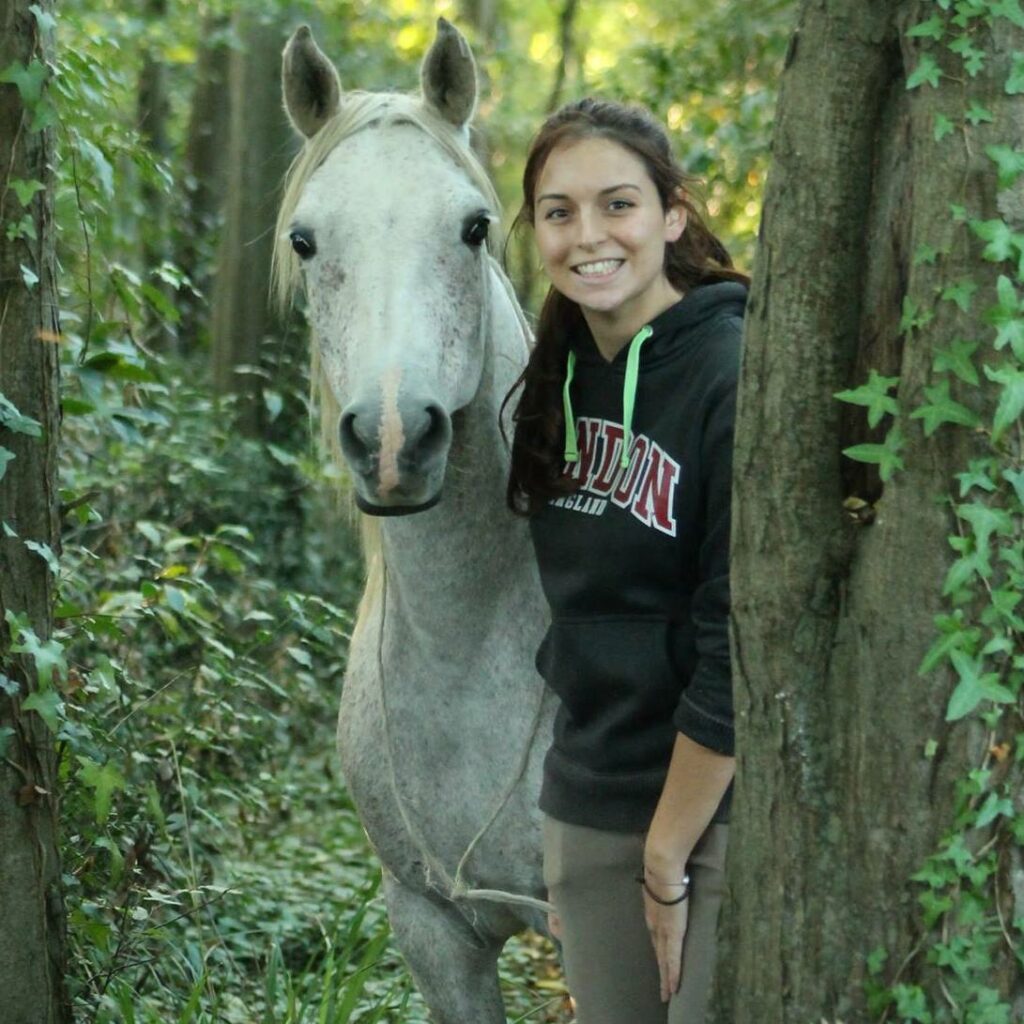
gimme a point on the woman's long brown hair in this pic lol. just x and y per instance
(697, 258)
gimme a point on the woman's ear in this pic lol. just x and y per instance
(675, 222)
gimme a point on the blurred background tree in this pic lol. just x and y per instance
(213, 865)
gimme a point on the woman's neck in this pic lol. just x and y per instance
(612, 330)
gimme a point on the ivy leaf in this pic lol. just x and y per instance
(973, 58)
(1009, 9)
(28, 79)
(977, 114)
(26, 189)
(1015, 81)
(45, 552)
(961, 293)
(985, 521)
(943, 126)
(47, 655)
(875, 396)
(927, 70)
(48, 705)
(974, 687)
(1010, 163)
(106, 780)
(1015, 478)
(1006, 317)
(886, 456)
(29, 276)
(979, 474)
(925, 254)
(1002, 242)
(913, 319)
(5, 456)
(992, 808)
(957, 359)
(15, 422)
(941, 408)
(45, 21)
(933, 28)
(1011, 400)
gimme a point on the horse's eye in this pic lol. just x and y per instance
(303, 244)
(474, 231)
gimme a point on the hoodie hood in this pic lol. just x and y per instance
(668, 335)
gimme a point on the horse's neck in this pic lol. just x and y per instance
(447, 569)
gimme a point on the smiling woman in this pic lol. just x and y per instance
(623, 446)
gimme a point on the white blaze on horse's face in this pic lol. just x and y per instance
(395, 291)
(390, 231)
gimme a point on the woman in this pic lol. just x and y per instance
(622, 460)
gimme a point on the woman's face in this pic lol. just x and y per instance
(601, 231)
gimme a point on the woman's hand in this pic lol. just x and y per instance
(666, 921)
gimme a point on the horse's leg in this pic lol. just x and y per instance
(455, 969)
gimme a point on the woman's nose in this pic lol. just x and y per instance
(591, 226)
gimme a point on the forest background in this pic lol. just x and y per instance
(213, 866)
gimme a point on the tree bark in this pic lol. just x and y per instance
(206, 170)
(32, 920)
(837, 802)
(260, 147)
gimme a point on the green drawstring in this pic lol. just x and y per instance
(572, 452)
(629, 390)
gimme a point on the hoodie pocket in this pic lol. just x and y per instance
(619, 689)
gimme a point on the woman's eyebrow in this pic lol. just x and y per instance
(603, 192)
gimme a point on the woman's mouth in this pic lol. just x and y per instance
(597, 269)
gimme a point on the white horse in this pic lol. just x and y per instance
(443, 721)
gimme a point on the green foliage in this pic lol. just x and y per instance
(978, 643)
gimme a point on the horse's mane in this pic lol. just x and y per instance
(361, 110)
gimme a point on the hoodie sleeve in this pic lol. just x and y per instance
(705, 710)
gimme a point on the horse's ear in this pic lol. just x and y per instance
(312, 89)
(448, 75)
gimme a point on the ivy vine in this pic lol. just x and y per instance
(980, 633)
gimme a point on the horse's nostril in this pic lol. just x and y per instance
(357, 438)
(433, 433)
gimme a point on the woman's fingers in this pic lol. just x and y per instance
(667, 926)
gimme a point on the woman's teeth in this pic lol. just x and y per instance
(598, 268)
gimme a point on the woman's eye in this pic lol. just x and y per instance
(620, 204)
(556, 213)
(474, 232)
(303, 244)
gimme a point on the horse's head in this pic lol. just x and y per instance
(386, 214)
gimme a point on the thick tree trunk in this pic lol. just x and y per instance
(838, 802)
(32, 923)
(260, 147)
(206, 170)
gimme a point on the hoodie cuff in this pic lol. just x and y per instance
(704, 728)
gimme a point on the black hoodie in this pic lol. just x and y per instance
(635, 566)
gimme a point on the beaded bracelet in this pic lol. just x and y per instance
(685, 883)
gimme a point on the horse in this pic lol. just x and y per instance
(386, 218)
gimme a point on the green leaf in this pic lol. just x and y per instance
(875, 396)
(104, 172)
(15, 422)
(941, 408)
(1009, 162)
(25, 190)
(993, 807)
(973, 58)
(912, 1004)
(913, 318)
(29, 276)
(943, 127)
(46, 553)
(961, 293)
(28, 79)
(1011, 398)
(957, 359)
(47, 655)
(1015, 478)
(1009, 9)
(925, 254)
(977, 114)
(886, 456)
(939, 651)
(46, 22)
(48, 705)
(927, 70)
(974, 687)
(933, 28)
(979, 474)
(1015, 81)
(105, 780)
(5, 456)
(1003, 244)
(1006, 317)
(985, 521)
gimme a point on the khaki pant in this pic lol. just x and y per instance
(606, 947)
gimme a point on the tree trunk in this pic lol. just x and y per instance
(32, 921)
(847, 765)
(206, 169)
(260, 145)
(153, 110)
